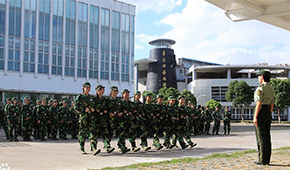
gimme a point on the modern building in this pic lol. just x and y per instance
(51, 47)
(209, 81)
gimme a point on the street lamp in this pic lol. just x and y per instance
(203, 95)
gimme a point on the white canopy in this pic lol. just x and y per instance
(274, 12)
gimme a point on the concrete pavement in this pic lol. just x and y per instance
(62, 155)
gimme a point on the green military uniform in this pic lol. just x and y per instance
(2, 118)
(83, 102)
(157, 111)
(207, 120)
(64, 120)
(264, 94)
(42, 119)
(217, 122)
(27, 120)
(74, 116)
(105, 129)
(143, 121)
(13, 119)
(227, 116)
(35, 121)
(54, 120)
(5, 123)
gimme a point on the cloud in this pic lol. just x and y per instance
(158, 6)
(203, 32)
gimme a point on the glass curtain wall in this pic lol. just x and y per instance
(70, 26)
(82, 39)
(125, 47)
(105, 36)
(94, 42)
(115, 45)
(2, 32)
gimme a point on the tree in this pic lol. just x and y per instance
(188, 96)
(213, 103)
(241, 94)
(282, 94)
(166, 92)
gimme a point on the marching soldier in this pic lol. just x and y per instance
(227, 120)
(142, 120)
(85, 109)
(130, 121)
(217, 121)
(158, 114)
(27, 120)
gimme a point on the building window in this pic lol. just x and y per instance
(82, 62)
(125, 68)
(132, 47)
(218, 93)
(94, 27)
(30, 19)
(15, 18)
(104, 65)
(115, 66)
(2, 16)
(44, 17)
(1, 52)
(29, 56)
(93, 63)
(70, 61)
(105, 29)
(14, 54)
(57, 21)
(70, 22)
(83, 21)
(43, 57)
(56, 68)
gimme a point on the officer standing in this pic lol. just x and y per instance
(207, 119)
(26, 120)
(264, 99)
(54, 119)
(42, 115)
(64, 120)
(13, 119)
(227, 116)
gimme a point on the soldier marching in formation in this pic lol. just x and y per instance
(94, 116)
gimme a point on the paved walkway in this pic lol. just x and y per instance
(61, 155)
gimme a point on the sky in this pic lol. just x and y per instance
(203, 32)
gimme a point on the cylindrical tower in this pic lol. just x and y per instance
(161, 73)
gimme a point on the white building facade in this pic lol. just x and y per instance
(51, 47)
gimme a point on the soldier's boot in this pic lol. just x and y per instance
(228, 131)
(135, 149)
(159, 147)
(96, 151)
(125, 150)
(225, 131)
(82, 151)
(184, 146)
(192, 145)
(146, 148)
(109, 150)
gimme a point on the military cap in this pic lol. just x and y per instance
(26, 98)
(207, 106)
(37, 100)
(64, 101)
(148, 94)
(199, 106)
(114, 88)
(137, 92)
(227, 107)
(98, 87)
(180, 96)
(125, 90)
(160, 96)
(8, 99)
(21, 101)
(44, 98)
(87, 84)
(217, 106)
(191, 102)
(14, 98)
(50, 100)
(171, 98)
(263, 72)
(54, 100)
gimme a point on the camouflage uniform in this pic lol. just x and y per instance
(54, 120)
(35, 119)
(227, 116)
(83, 102)
(5, 123)
(42, 117)
(64, 120)
(217, 122)
(27, 120)
(74, 125)
(207, 120)
(13, 119)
